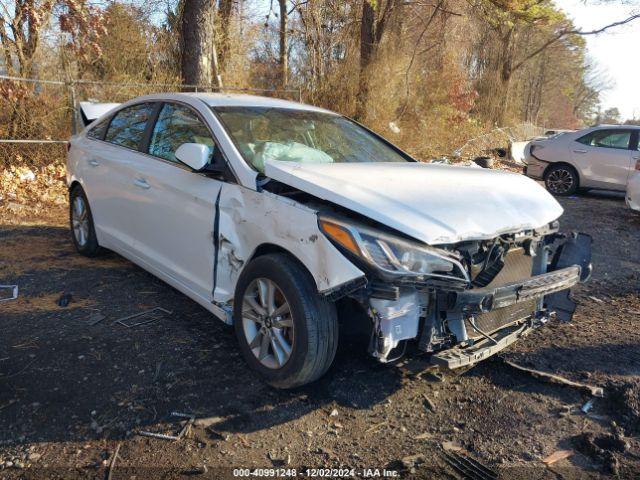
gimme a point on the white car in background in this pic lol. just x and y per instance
(633, 190)
(600, 157)
(280, 217)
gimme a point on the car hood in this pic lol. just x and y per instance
(436, 204)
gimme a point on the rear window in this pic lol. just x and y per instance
(607, 139)
(128, 125)
(97, 131)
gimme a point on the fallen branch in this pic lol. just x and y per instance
(19, 371)
(184, 431)
(376, 426)
(113, 461)
(593, 390)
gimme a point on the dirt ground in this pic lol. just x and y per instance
(75, 385)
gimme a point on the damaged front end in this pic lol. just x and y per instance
(462, 302)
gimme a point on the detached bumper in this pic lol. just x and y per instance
(483, 300)
(529, 302)
(477, 302)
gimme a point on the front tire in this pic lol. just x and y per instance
(83, 232)
(562, 180)
(286, 331)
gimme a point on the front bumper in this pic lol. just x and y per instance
(461, 327)
(633, 200)
(477, 302)
(633, 191)
(483, 300)
(548, 292)
(535, 168)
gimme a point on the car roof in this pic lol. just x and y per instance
(236, 100)
(616, 127)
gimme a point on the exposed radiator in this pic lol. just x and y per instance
(517, 267)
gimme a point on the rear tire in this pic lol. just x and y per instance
(286, 331)
(562, 180)
(83, 232)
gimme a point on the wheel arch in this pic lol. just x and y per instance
(269, 248)
(74, 184)
(563, 163)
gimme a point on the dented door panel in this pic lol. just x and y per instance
(249, 219)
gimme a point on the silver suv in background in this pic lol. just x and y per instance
(600, 157)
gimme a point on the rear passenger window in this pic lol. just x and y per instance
(97, 132)
(176, 125)
(607, 139)
(127, 127)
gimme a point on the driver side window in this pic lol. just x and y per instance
(607, 139)
(176, 125)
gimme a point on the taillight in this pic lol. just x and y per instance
(638, 165)
(68, 146)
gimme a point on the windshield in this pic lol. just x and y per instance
(263, 133)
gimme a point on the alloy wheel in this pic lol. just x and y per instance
(560, 181)
(80, 221)
(267, 323)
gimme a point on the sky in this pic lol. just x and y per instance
(614, 51)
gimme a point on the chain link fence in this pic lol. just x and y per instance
(37, 116)
(500, 138)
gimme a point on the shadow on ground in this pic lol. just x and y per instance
(63, 378)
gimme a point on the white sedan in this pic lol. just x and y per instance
(633, 190)
(600, 157)
(282, 219)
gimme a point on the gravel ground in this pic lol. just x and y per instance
(75, 385)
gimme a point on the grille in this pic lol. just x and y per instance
(517, 267)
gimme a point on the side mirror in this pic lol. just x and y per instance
(194, 155)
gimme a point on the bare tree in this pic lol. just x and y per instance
(225, 12)
(20, 30)
(586, 97)
(199, 54)
(508, 20)
(374, 21)
(22, 25)
(283, 58)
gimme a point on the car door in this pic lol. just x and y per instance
(604, 158)
(111, 151)
(174, 206)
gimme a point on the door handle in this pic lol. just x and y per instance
(142, 183)
(579, 151)
(93, 162)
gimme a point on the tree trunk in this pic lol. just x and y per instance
(225, 10)
(6, 49)
(283, 60)
(504, 75)
(367, 47)
(375, 18)
(199, 55)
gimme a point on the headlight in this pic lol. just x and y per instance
(393, 255)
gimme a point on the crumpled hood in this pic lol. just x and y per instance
(436, 204)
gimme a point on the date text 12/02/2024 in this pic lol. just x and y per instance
(315, 473)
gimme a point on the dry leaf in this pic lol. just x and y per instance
(557, 456)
